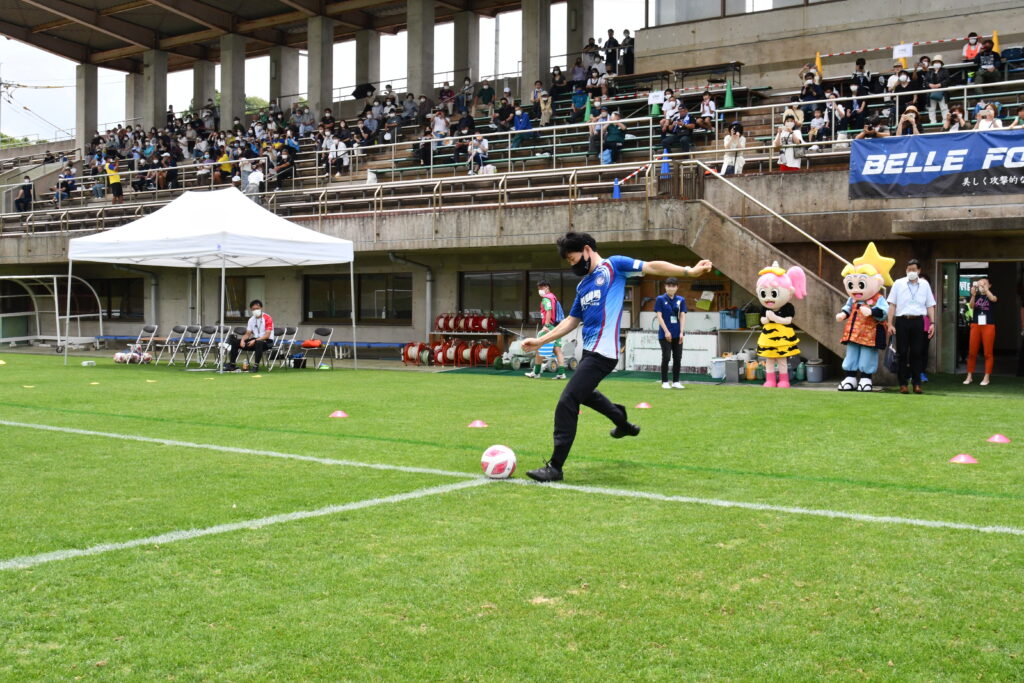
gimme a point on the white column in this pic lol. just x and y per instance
(368, 57)
(579, 26)
(232, 78)
(154, 89)
(467, 47)
(203, 86)
(420, 47)
(320, 72)
(536, 45)
(133, 100)
(86, 105)
(284, 75)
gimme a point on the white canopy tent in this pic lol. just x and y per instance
(213, 229)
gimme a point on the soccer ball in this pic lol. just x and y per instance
(120, 357)
(498, 462)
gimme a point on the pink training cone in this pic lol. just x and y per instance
(998, 438)
(964, 459)
(339, 413)
(477, 424)
(643, 405)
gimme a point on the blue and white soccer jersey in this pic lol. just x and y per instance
(599, 303)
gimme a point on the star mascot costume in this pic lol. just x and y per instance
(864, 313)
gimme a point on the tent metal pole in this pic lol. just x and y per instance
(197, 302)
(352, 296)
(67, 314)
(220, 348)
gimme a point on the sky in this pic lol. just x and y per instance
(49, 112)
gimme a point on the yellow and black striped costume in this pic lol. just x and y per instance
(776, 340)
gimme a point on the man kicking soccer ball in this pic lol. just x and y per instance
(598, 306)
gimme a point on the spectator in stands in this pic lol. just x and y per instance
(861, 77)
(23, 198)
(935, 79)
(409, 108)
(424, 110)
(856, 109)
(559, 86)
(670, 107)
(708, 112)
(908, 124)
(955, 119)
(809, 92)
(464, 98)
(579, 105)
(787, 141)
(392, 127)
(614, 138)
(988, 64)
(460, 150)
(611, 52)
(971, 48)
(466, 121)
(735, 143)
(808, 71)
(535, 94)
(796, 111)
(597, 85)
(439, 125)
(626, 54)
(255, 182)
(819, 129)
(477, 154)
(369, 129)
(894, 78)
(377, 109)
(170, 115)
(167, 177)
(502, 119)
(546, 110)
(987, 119)
(484, 99)
(285, 170)
(224, 170)
(1018, 120)
(328, 118)
(521, 124)
(423, 148)
(677, 131)
(579, 73)
(904, 90)
(598, 120)
(339, 158)
(590, 53)
(114, 180)
(48, 158)
(447, 98)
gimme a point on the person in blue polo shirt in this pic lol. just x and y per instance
(598, 307)
(670, 309)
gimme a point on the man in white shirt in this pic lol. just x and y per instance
(258, 337)
(911, 319)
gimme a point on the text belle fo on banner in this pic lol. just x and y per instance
(952, 164)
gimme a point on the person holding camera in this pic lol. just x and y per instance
(788, 140)
(987, 119)
(907, 124)
(873, 128)
(983, 329)
(955, 120)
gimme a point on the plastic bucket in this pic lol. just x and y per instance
(717, 368)
(815, 373)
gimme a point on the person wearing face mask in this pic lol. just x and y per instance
(983, 329)
(550, 315)
(521, 123)
(285, 169)
(988, 64)
(258, 337)
(484, 99)
(464, 99)
(971, 48)
(910, 301)
(987, 119)
(810, 91)
(908, 123)
(935, 79)
(559, 86)
(598, 308)
(23, 200)
(670, 309)
(857, 107)
(788, 140)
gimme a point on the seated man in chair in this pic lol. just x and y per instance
(259, 336)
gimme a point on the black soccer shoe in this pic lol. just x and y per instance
(254, 368)
(546, 473)
(629, 429)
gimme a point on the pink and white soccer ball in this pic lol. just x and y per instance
(120, 357)
(498, 462)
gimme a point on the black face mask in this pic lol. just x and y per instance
(581, 267)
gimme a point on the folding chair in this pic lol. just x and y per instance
(219, 336)
(200, 345)
(324, 334)
(144, 342)
(284, 342)
(172, 344)
(193, 337)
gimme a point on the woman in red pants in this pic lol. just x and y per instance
(983, 328)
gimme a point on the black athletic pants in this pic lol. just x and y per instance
(257, 349)
(581, 389)
(672, 348)
(911, 349)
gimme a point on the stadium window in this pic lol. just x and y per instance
(666, 12)
(563, 285)
(503, 294)
(326, 298)
(385, 298)
(239, 291)
(121, 298)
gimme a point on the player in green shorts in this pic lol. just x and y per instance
(550, 315)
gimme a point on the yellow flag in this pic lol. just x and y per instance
(817, 64)
(903, 61)
(995, 41)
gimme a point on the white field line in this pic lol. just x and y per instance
(243, 451)
(764, 507)
(186, 534)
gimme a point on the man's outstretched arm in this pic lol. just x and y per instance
(666, 269)
(568, 324)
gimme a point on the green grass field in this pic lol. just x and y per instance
(468, 580)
